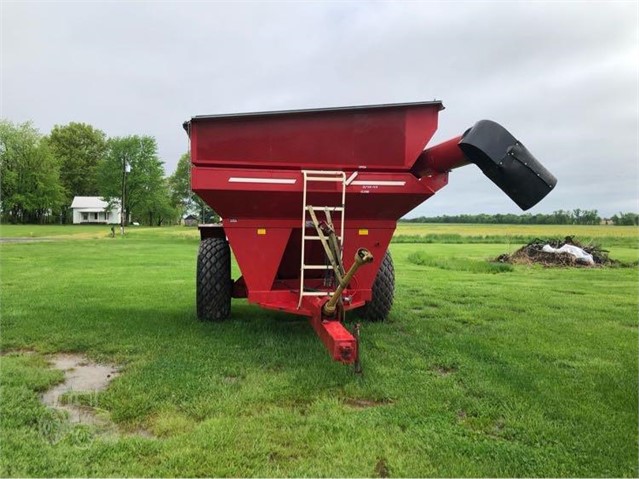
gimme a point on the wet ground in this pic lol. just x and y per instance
(81, 376)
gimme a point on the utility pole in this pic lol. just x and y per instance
(125, 170)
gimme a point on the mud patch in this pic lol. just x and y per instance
(444, 369)
(231, 379)
(382, 469)
(281, 457)
(17, 352)
(81, 378)
(365, 403)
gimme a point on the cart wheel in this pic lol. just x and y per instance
(378, 308)
(213, 280)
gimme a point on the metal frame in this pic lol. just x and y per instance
(317, 110)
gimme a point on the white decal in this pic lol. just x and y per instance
(273, 181)
(378, 183)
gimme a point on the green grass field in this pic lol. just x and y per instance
(508, 234)
(403, 229)
(481, 371)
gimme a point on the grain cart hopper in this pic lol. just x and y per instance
(309, 201)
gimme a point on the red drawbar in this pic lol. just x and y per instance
(340, 343)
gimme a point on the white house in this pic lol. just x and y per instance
(93, 209)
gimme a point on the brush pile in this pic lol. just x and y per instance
(534, 252)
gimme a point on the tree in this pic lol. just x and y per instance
(626, 219)
(590, 217)
(183, 197)
(562, 217)
(144, 179)
(205, 212)
(180, 185)
(158, 206)
(79, 149)
(559, 217)
(30, 176)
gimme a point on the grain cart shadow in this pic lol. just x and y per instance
(272, 338)
(273, 341)
(250, 336)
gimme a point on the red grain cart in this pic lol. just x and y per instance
(310, 200)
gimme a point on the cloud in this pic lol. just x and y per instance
(561, 76)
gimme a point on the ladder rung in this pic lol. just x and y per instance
(322, 178)
(323, 172)
(317, 266)
(317, 237)
(323, 208)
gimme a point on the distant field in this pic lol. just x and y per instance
(91, 231)
(480, 371)
(518, 230)
(421, 232)
(604, 235)
(40, 231)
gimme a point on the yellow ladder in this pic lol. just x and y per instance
(321, 176)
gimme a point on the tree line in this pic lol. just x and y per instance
(559, 217)
(41, 174)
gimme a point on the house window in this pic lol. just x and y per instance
(85, 216)
(95, 216)
(107, 216)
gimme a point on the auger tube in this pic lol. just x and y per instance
(362, 257)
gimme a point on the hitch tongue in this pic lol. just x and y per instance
(362, 257)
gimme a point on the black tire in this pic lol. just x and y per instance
(379, 307)
(213, 289)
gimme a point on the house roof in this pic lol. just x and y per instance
(93, 202)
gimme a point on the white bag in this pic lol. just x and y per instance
(576, 251)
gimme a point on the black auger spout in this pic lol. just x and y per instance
(499, 155)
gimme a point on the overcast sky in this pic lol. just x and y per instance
(562, 77)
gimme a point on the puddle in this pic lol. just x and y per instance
(80, 376)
